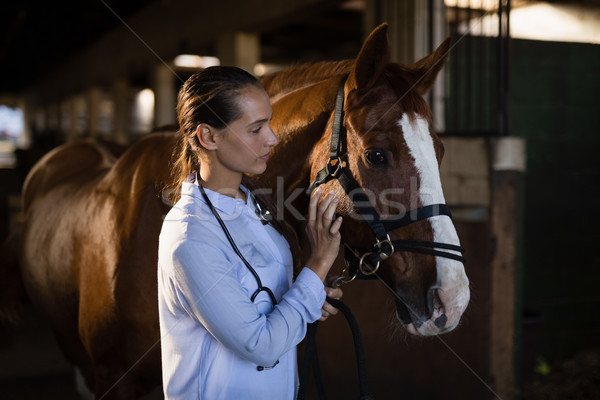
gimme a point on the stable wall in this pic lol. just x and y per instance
(555, 105)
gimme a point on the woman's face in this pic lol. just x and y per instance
(246, 143)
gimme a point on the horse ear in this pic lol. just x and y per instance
(428, 67)
(372, 59)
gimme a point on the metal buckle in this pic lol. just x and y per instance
(384, 256)
(367, 269)
(338, 167)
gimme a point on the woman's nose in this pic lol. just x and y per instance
(272, 140)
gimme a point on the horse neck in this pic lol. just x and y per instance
(301, 76)
(300, 117)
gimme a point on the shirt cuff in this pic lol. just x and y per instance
(308, 278)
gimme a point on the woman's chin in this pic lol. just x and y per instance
(259, 168)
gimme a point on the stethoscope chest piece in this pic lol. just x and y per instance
(264, 215)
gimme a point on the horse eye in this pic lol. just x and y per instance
(375, 157)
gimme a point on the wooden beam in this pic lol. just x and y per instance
(508, 166)
(161, 31)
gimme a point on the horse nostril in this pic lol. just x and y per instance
(440, 321)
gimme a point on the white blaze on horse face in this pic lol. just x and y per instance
(453, 285)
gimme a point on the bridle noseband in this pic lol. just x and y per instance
(364, 266)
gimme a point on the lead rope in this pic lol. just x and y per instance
(311, 356)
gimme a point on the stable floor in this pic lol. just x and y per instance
(31, 366)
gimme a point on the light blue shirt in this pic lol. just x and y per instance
(213, 336)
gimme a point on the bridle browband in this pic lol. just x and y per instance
(364, 266)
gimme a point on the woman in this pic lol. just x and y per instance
(231, 314)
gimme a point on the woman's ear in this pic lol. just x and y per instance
(206, 135)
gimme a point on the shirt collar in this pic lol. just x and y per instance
(224, 204)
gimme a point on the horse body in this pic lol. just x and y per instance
(55, 226)
(92, 223)
(89, 245)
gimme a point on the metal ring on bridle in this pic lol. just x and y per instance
(342, 279)
(370, 270)
(338, 167)
(384, 256)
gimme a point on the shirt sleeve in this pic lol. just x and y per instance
(211, 293)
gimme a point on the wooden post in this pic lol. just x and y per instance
(241, 49)
(402, 29)
(122, 111)
(93, 99)
(507, 170)
(72, 118)
(415, 29)
(165, 95)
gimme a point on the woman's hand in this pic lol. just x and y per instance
(323, 231)
(335, 293)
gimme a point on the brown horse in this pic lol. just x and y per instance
(90, 239)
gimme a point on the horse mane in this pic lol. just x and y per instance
(302, 75)
(402, 79)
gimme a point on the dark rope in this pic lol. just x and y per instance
(311, 360)
(310, 356)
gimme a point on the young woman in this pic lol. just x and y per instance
(231, 312)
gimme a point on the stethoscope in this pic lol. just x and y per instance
(264, 217)
(237, 251)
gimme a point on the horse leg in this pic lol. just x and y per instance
(75, 352)
(112, 379)
(113, 383)
(83, 389)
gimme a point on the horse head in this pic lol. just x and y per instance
(383, 163)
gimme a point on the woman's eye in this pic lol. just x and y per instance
(256, 130)
(375, 157)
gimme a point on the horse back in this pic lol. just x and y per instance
(137, 180)
(67, 163)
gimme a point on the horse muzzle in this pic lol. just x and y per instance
(445, 307)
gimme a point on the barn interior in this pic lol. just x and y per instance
(517, 110)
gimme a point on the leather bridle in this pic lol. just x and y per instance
(364, 266)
